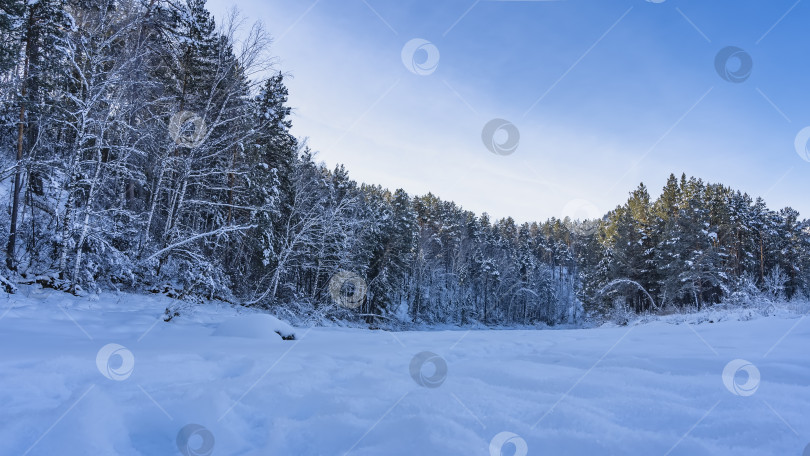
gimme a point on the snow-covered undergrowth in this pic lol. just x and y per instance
(109, 376)
(717, 313)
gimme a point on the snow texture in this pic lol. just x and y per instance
(651, 388)
(256, 326)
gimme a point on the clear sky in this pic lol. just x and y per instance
(604, 94)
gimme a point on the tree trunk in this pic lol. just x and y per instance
(15, 198)
(86, 224)
(761, 258)
(152, 207)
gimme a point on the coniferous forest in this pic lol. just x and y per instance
(146, 147)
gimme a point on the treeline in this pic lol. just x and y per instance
(696, 245)
(148, 148)
(143, 150)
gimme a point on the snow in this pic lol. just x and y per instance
(656, 387)
(256, 326)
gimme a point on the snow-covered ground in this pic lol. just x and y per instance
(190, 386)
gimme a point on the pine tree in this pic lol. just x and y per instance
(11, 27)
(42, 33)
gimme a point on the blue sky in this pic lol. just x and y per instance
(604, 94)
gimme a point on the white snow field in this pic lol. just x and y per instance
(176, 388)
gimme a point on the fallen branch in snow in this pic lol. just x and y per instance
(8, 285)
(373, 315)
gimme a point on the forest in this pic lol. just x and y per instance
(147, 148)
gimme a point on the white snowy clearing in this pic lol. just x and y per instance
(177, 388)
